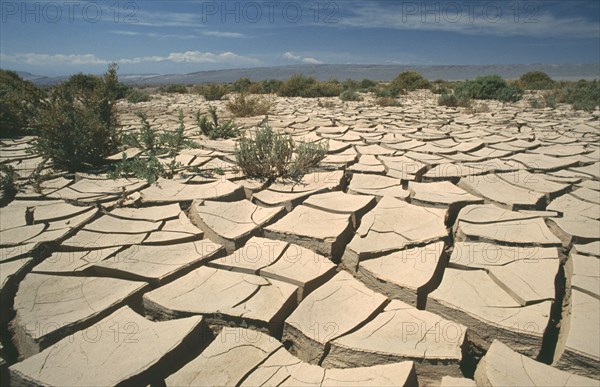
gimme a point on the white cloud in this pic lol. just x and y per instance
(90, 59)
(221, 34)
(311, 60)
(194, 57)
(291, 56)
(45, 59)
(153, 34)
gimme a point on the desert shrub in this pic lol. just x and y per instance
(536, 80)
(269, 154)
(454, 100)
(307, 155)
(270, 86)
(245, 106)
(331, 88)
(88, 84)
(549, 99)
(387, 101)
(488, 87)
(351, 84)
(179, 89)
(212, 92)
(242, 85)
(153, 144)
(8, 189)
(409, 81)
(76, 129)
(509, 94)
(350, 95)
(85, 83)
(297, 86)
(19, 102)
(213, 128)
(386, 92)
(581, 95)
(536, 103)
(137, 96)
(309, 87)
(440, 86)
(367, 85)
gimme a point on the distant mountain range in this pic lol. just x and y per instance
(354, 71)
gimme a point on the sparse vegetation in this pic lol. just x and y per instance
(454, 100)
(7, 184)
(212, 92)
(179, 89)
(350, 95)
(309, 87)
(488, 87)
(269, 155)
(535, 80)
(77, 129)
(19, 101)
(409, 81)
(242, 85)
(247, 106)
(213, 128)
(581, 95)
(158, 152)
(137, 96)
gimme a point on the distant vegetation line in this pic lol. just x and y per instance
(325, 72)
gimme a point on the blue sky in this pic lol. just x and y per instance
(64, 37)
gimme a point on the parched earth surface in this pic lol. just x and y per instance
(431, 247)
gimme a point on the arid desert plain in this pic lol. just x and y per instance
(432, 246)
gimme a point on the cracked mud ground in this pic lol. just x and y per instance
(430, 247)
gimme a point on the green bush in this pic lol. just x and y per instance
(350, 95)
(270, 86)
(386, 92)
(179, 89)
(78, 130)
(536, 80)
(148, 166)
(269, 155)
(8, 189)
(307, 155)
(212, 92)
(454, 100)
(297, 86)
(549, 99)
(242, 85)
(137, 96)
(215, 129)
(440, 86)
(351, 84)
(19, 102)
(367, 85)
(309, 87)
(488, 87)
(88, 84)
(509, 94)
(581, 95)
(409, 81)
(244, 106)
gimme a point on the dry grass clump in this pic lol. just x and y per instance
(248, 106)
